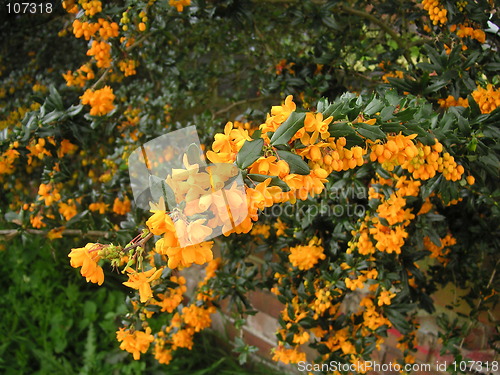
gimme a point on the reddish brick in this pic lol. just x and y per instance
(266, 302)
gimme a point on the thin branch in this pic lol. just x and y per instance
(239, 102)
(66, 232)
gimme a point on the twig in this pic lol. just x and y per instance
(66, 232)
(239, 102)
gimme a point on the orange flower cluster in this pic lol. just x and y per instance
(101, 52)
(197, 317)
(100, 101)
(396, 74)
(91, 7)
(450, 101)
(327, 157)
(437, 13)
(121, 207)
(487, 98)
(37, 149)
(226, 145)
(179, 4)
(429, 161)
(68, 210)
(70, 6)
(85, 29)
(172, 297)
(48, 194)
(108, 29)
(372, 319)
(386, 231)
(398, 150)
(79, 77)
(135, 342)
(439, 252)
(305, 257)
(128, 67)
(288, 355)
(7, 160)
(469, 32)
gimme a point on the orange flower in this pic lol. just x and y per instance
(141, 281)
(385, 298)
(136, 343)
(121, 207)
(87, 258)
(100, 101)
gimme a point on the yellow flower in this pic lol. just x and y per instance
(141, 281)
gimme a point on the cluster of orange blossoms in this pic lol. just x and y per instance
(80, 76)
(451, 101)
(128, 67)
(305, 257)
(437, 13)
(7, 160)
(440, 252)
(179, 4)
(469, 32)
(384, 230)
(100, 101)
(487, 98)
(91, 7)
(101, 51)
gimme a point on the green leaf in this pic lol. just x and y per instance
(322, 104)
(55, 99)
(387, 113)
(430, 186)
(373, 107)
(435, 87)
(288, 129)
(52, 116)
(77, 218)
(275, 180)
(250, 152)
(297, 165)
(193, 154)
(372, 132)
(341, 129)
(74, 110)
(159, 188)
(398, 320)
